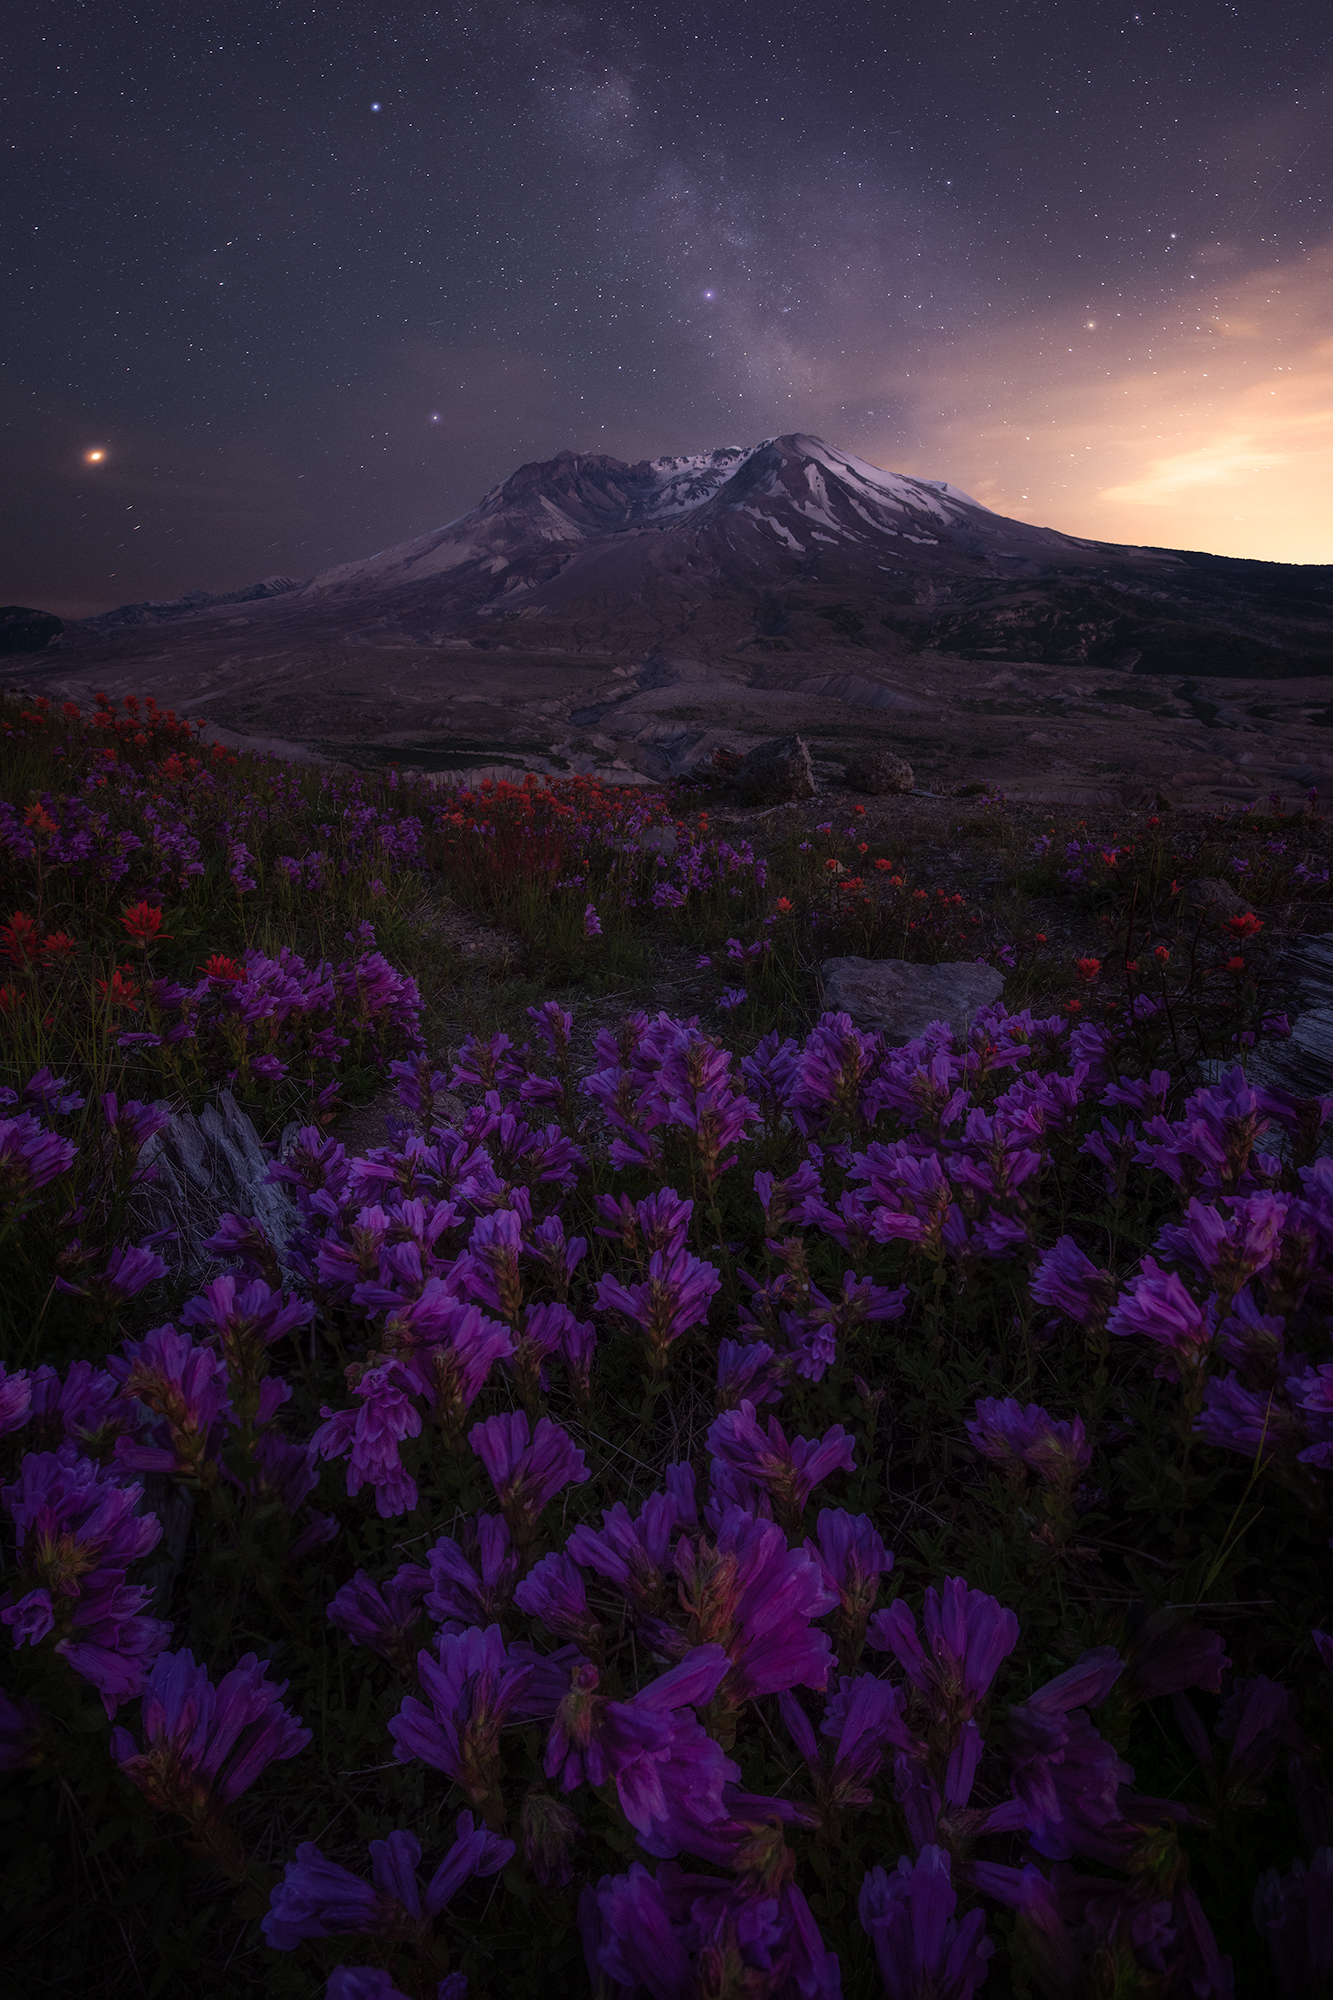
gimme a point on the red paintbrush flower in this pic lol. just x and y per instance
(144, 924)
(224, 969)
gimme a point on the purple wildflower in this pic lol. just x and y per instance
(384, 1615)
(756, 1597)
(317, 1898)
(471, 1689)
(1157, 1306)
(553, 1590)
(1227, 1249)
(30, 1156)
(15, 1398)
(921, 1948)
(967, 1636)
(202, 1746)
(862, 1721)
(683, 1935)
(1294, 1914)
(633, 1554)
(668, 1773)
(591, 922)
(369, 1437)
(1066, 1281)
(451, 1361)
(185, 1387)
(672, 1299)
(1056, 1451)
(748, 1371)
(852, 1558)
(472, 1583)
(787, 1471)
(1065, 1775)
(527, 1468)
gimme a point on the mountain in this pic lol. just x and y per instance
(750, 577)
(737, 536)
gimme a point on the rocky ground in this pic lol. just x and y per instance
(1053, 734)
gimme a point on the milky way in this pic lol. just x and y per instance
(287, 284)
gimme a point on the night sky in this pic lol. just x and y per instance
(312, 277)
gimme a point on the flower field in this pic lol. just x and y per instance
(714, 1506)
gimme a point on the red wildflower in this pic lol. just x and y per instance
(224, 969)
(784, 904)
(18, 939)
(143, 924)
(39, 819)
(57, 946)
(1247, 926)
(1088, 969)
(1235, 965)
(119, 990)
(1161, 954)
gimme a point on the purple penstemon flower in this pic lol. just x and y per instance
(1228, 1244)
(383, 1616)
(451, 1363)
(679, 1936)
(634, 1554)
(201, 1746)
(1064, 1774)
(1015, 1436)
(369, 1436)
(967, 1636)
(15, 1398)
(471, 1689)
(920, 1946)
(472, 1581)
(668, 1774)
(1293, 1913)
(30, 1157)
(549, 1833)
(787, 1471)
(862, 1722)
(748, 1371)
(756, 1597)
(185, 1387)
(527, 1468)
(852, 1559)
(317, 1898)
(553, 1590)
(1067, 1281)
(1156, 1306)
(672, 1300)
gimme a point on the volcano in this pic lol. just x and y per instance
(746, 579)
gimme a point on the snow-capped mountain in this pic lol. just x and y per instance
(796, 493)
(747, 553)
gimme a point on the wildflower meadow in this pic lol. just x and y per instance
(714, 1506)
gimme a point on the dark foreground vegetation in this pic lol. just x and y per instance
(714, 1505)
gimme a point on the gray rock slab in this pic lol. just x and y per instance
(878, 772)
(900, 1000)
(777, 770)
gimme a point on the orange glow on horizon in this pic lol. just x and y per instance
(1211, 429)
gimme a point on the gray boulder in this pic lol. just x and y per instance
(775, 771)
(1211, 899)
(899, 1000)
(879, 772)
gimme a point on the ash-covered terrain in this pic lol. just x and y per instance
(593, 615)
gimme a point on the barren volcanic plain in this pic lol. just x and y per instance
(589, 615)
